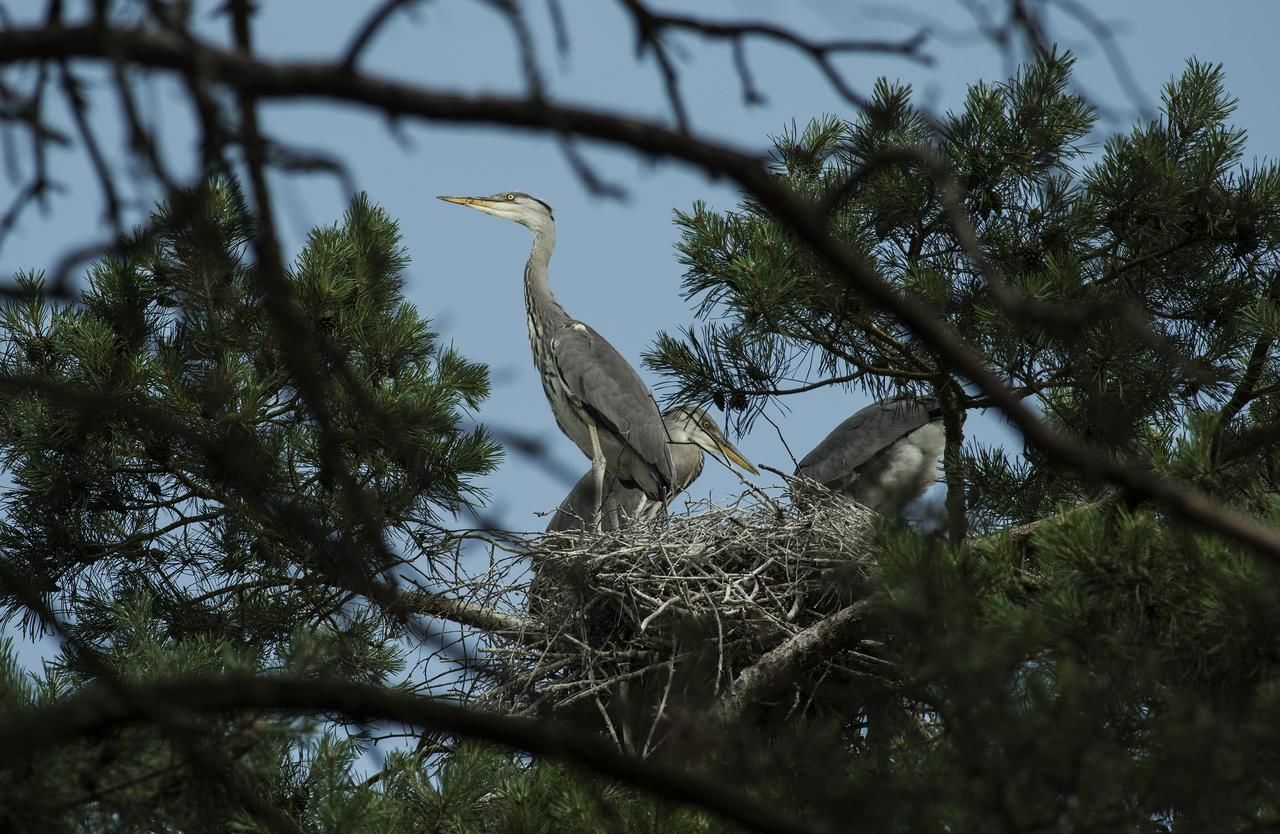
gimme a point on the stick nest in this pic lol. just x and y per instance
(679, 607)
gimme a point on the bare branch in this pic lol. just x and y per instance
(650, 26)
(430, 604)
(1106, 37)
(649, 36)
(72, 89)
(1023, 532)
(780, 666)
(559, 26)
(370, 28)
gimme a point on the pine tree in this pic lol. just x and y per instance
(1164, 226)
(1107, 668)
(178, 500)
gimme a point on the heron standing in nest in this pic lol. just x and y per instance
(884, 455)
(598, 399)
(691, 432)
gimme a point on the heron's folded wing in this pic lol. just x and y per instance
(608, 387)
(574, 512)
(862, 436)
(578, 507)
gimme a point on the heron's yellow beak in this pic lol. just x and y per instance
(466, 201)
(735, 456)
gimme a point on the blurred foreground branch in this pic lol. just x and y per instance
(99, 710)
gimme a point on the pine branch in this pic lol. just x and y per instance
(211, 763)
(951, 396)
(1246, 390)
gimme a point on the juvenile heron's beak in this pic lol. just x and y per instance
(733, 455)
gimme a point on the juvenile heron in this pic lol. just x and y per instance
(691, 431)
(597, 398)
(884, 455)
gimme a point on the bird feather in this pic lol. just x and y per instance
(869, 431)
(605, 385)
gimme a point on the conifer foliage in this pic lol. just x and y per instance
(187, 504)
(1105, 668)
(1139, 279)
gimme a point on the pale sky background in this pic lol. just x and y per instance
(615, 265)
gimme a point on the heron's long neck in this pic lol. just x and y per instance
(686, 462)
(543, 311)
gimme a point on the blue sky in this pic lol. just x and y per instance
(615, 266)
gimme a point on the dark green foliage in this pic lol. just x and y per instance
(177, 333)
(1112, 670)
(173, 493)
(1128, 677)
(482, 791)
(1155, 259)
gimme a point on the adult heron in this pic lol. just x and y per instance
(884, 455)
(597, 398)
(691, 432)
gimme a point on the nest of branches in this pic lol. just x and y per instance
(625, 626)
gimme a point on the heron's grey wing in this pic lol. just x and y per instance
(867, 432)
(610, 389)
(574, 513)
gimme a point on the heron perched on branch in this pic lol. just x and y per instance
(597, 398)
(692, 431)
(884, 455)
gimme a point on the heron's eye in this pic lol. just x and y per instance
(706, 424)
(511, 197)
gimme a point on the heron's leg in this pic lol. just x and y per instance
(597, 474)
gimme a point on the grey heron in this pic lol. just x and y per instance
(597, 398)
(884, 455)
(691, 432)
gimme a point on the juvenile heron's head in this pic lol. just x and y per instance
(528, 211)
(687, 424)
